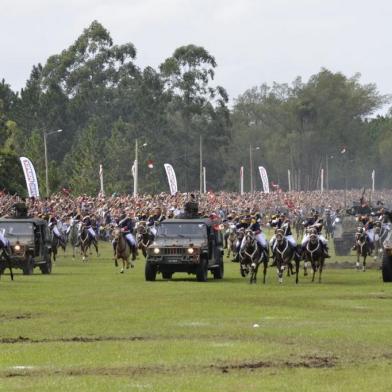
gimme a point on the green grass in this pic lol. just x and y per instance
(87, 327)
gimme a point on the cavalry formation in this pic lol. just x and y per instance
(243, 237)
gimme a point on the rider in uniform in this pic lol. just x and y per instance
(127, 225)
(88, 223)
(53, 225)
(262, 242)
(154, 219)
(368, 224)
(316, 222)
(283, 222)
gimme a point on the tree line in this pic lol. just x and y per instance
(103, 102)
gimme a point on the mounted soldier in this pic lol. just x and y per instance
(127, 225)
(262, 242)
(154, 219)
(316, 222)
(282, 222)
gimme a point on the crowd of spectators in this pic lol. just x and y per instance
(112, 207)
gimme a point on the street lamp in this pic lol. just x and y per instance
(136, 170)
(46, 134)
(251, 165)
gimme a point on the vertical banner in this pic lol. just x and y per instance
(242, 180)
(373, 179)
(322, 180)
(289, 179)
(171, 177)
(30, 177)
(204, 180)
(101, 179)
(264, 179)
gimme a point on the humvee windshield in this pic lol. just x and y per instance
(187, 230)
(17, 230)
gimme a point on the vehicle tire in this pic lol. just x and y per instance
(219, 272)
(386, 268)
(46, 268)
(150, 272)
(167, 275)
(202, 271)
(28, 268)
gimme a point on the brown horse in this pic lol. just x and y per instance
(361, 247)
(122, 250)
(314, 253)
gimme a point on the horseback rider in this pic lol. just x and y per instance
(283, 222)
(368, 224)
(157, 217)
(5, 243)
(127, 225)
(316, 222)
(88, 223)
(243, 223)
(53, 226)
(262, 242)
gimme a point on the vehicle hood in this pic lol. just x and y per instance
(168, 242)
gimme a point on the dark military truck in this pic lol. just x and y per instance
(386, 266)
(344, 229)
(193, 246)
(30, 243)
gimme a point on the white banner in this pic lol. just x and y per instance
(171, 177)
(101, 179)
(322, 180)
(373, 179)
(264, 179)
(30, 176)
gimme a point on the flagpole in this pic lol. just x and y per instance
(322, 180)
(101, 179)
(201, 164)
(135, 178)
(289, 178)
(242, 180)
(204, 180)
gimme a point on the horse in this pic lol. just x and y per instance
(73, 237)
(237, 243)
(298, 226)
(231, 240)
(86, 240)
(314, 253)
(380, 234)
(361, 247)
(144, 237)
(251, 256)
(283, 254)
(56, 242)
(5, 261)
(328, 226)
(122, 250)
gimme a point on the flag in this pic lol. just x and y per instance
(343, 150)
(150, 164)
(264, 179)
(171, 177)
(134, 169)
(30, 177)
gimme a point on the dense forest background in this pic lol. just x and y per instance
(103, 102)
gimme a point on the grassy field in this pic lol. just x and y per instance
(88, 328)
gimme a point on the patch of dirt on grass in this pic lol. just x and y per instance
(78, 339)
(311, 362)
(11, 317)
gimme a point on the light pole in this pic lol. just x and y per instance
(136, 173)
(46, 134)
(251, 165)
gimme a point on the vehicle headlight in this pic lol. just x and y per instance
(191, 251)
(157, 251)
(17, 247)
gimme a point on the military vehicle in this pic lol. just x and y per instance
(193, 246)
(344, 229)
(30, 242)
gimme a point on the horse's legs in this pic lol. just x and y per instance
(305, 268)
(364, 263)
(358, 255)
(296, 270)
(321, 269)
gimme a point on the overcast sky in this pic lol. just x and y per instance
(253, 41)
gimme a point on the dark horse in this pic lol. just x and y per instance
(328, 226)
(5, 261)
(56, 243)
(282, 255)
(314, 252)
(144, 237)
(361, 247)
(86, 240)
(380, 234)
(251, 256)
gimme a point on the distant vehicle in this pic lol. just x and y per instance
(30, 243)
(344, 229)
(193, 246)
